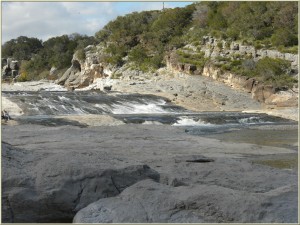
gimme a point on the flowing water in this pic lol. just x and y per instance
(43, 108)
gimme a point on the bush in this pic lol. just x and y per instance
(284, 37)
(80, 54)
(116, 75)
(23, 77)
(220, 45)
(275, 72)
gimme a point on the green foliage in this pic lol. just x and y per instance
(270, 68)
(80, 54)
(144, 61)
(220, 45)
(270, 71)
(116, 75)
(40, 57)
(284, 37)
(250, 20)
(145, 36)
(22, 48)
(137, 55)
(197, 59)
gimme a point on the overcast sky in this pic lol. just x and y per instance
(49, 19)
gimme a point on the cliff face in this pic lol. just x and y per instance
(214, 49)
(10, 68)
(267, 94)
(84, 72)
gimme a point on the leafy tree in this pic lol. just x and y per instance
(21, 48)
(284, 37)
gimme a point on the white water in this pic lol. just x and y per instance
(252, 120)
(185, 121)
(138, 108)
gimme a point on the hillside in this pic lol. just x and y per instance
(197, 35)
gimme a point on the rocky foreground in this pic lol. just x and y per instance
(140, 173)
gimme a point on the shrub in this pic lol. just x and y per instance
(220, 45)
(80, 54)
(275, 72)
(116, 75)
(284, 37)
(23, 77)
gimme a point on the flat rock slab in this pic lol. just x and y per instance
(50, 173)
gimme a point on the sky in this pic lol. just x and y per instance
(49, 19)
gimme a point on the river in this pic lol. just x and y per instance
(48, 107)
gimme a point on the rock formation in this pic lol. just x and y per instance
(266, 94)
(37, 188)
(151, 202)
(83, 72)
(10, 68)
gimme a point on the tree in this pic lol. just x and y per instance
(22, 48)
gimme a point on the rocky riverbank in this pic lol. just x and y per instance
(198, 93)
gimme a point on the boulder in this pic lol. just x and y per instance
(235, 46)
(248, 85)
(14, 65)
(54, 188)
(3, 62)
(151, 202)
(261, 92)
(11, 67)
(14, 73)
(71, 74)
(6, 71)
(53, 71)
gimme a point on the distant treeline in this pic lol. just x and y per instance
(37, 57)
(147, 36)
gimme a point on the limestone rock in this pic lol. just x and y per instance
(14, 73)
(248, 85)
(3, 62)
(14, 65)
(261, 92)
(54, 188)
(6, 71)
(10, 68)
(150, 202)
(53, 71)
(235, 46)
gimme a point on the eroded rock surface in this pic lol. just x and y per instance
(51, 173)
(52, 188)
(150, 202)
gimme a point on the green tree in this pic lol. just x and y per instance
(21, 48)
